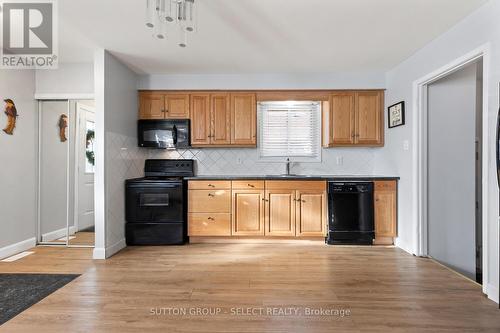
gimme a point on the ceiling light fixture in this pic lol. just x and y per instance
(165, 15)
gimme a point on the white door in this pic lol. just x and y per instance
(451, 170)
(84, 212)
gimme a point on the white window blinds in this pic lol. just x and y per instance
(290, 129)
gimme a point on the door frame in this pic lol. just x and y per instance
(78, 109)
(420, 144)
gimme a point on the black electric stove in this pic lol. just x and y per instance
(156, 205)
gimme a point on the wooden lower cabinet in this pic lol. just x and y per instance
(385, 196)
(311, 216)
(248, 213)
(280, 213)
(209, 224)
(275, 208)
(209, 208)
(209, 201)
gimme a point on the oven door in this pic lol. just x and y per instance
(164, 134)
(154, 203)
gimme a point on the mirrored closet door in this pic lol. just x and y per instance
(66, 173)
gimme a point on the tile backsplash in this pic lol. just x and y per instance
(245, 161)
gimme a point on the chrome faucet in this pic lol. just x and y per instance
(288, 166)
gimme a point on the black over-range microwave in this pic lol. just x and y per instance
(163, 133)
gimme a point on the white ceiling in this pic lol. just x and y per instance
(262, 36)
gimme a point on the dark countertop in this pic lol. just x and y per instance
(295, 177)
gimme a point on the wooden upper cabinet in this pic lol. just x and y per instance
(220, 120)
(280, 213)
(159, 105)
(354, 118)
(243, 119)
(248, 213)
(385, 209)
(311, 213)
(342, 118)
(200, 119)
(369, 122)
(177, 106)
(151, 105)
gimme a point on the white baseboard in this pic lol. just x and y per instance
(492, 293)
(24, 245)
(56, 234)
(99, 253)
(104, 253)
(403, 246)
(113, 249)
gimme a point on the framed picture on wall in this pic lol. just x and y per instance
(396, 114)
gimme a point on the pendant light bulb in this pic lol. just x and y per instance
(182, 37)
(150, 13)
(170, 11)
(190, 16)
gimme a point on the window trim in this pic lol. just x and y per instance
(282, 159)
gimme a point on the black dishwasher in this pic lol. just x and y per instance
(350, 207)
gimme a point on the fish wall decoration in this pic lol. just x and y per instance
(63, 124)
(11, 112)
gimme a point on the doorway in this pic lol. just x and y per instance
(454, 170)
(65, 173)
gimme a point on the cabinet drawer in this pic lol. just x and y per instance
(248, 184)
(300, 185)
(209, 184)
(203, 224)
(385, 185)
(209, 201)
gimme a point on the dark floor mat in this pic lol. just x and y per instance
(20, 291)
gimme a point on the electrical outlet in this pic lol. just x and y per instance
(340, 160)
(239, 161)
(406, 145)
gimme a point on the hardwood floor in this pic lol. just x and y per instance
(145, 289)
(79, 238)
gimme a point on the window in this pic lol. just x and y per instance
(290, 129)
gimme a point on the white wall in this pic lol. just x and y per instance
(116, 123)
(264, 81)
(18, 163)
(481, 27)
(73, 79)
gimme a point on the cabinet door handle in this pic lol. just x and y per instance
(264, 199)
(211, 195)
(302, 200)
(211, 218)
(251, 185)
(211, 185)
